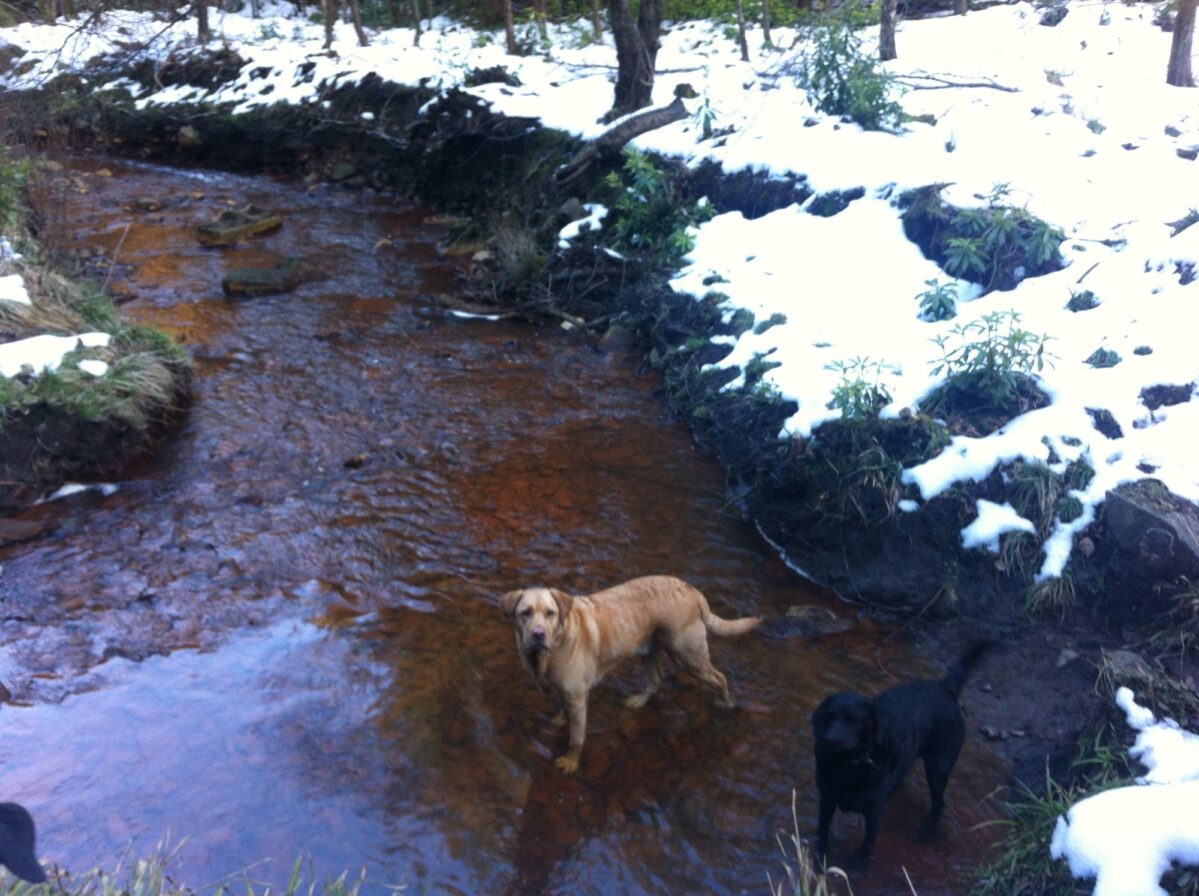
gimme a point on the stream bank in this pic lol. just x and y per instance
(841, 531)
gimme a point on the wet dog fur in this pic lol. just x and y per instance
(865, 747)
(569, 642)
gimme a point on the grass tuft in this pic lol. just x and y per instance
(803, 878)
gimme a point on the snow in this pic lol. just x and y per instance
(993, 520)
(595, 217)
(44, 353)
(1126, 838)
(12, 289)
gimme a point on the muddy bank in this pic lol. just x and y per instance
(828, 503)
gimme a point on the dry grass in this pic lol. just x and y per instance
(803, 878)
(149, 877)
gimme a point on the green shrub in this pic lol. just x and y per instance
(939, 301)
(989, 364)
(841, 78)
(860, 394)
(996, 246)
(650, 215)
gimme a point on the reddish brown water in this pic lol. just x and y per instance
(278, 638)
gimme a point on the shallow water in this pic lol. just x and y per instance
(278, 638)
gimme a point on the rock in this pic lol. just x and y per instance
(1054, 15)
(1190, 153)
(283, 277)
(572, 210)
(342, 171)
(1161, 530)
(15, 531)
(234, 224)
(1066, 657)
(189, 137)
(807, 621)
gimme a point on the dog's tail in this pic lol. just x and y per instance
(956, 677)
(728, 628)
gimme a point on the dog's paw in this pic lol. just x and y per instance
(636, 701)
(568, 763)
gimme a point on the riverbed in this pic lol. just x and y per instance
(277, 638)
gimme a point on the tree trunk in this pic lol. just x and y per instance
(886, 30)
(636, 53)
(539, 15)
(509, 28)
(960, 7)
(741, 31)
(356, 18)
(1178, 72)
(596, 25)
(766, 40)
(416, 22)
(202, 32)
(329, 11)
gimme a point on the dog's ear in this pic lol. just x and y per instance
(820, 717)
(565, 603)
(509, 601)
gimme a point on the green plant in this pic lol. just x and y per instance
(991, 355)
(997, 245)
(939, 301)
(860, 394)
(842, 78)
(705, 113)
(651, 217)
(14, 177)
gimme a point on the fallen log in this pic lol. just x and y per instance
(614, 139)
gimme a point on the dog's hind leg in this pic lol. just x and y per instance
(656, 666)
(938, 765)
(690, 650)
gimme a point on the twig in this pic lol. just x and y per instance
(940, 83)
(115, 255)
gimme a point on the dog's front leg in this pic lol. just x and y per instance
(874, 817)
(820, 848)
(576, 712)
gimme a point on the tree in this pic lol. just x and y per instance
(636, 53)
(1178, 72)
(886, 30)
(202, 31)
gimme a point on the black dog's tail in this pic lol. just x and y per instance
(956, 677)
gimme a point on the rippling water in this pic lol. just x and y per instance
(278, 638)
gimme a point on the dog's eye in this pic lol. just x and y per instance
(549, 614)
(525, 614)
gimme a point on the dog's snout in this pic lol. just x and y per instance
(537, 633)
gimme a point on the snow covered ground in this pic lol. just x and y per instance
(1126, 838)
(1074, 121)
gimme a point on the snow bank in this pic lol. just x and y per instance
(1127, 838)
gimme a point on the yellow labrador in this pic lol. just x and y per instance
(569, 643)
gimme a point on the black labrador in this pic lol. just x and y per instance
(18, 843)
(865, 747)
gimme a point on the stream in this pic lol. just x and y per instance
(277, 639)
